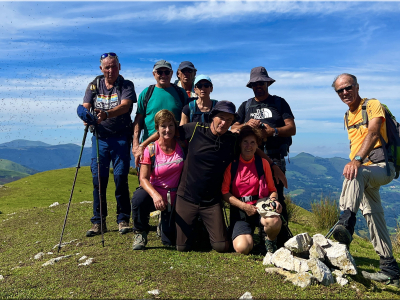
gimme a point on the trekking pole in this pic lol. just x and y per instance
(98, 178)
(73, 185)
(330, 232)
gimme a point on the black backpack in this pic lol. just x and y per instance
(259, 167)
(288, 140)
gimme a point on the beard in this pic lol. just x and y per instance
(259, 93)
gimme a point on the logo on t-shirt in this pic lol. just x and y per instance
(261, 113)
(107, 101)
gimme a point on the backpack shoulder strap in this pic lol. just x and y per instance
(147, 97)
(180, 94)
(152, 151)
(364, 116)
(213, 102)
(192, 108)
(259, 165)
(248, 103)
(278, 103)
(94, 86)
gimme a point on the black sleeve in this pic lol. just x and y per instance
(186, 110)
(128, 91)
(186, 131)
(286, 111)
(242, 113)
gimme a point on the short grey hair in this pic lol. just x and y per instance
(345, 74)
(110, 57)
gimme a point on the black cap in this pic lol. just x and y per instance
(186, 64)
(224, 106)
(259, 74)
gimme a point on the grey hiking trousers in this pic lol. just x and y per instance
(363, 192)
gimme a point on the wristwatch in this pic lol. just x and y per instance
(359, 158)
(275, 133)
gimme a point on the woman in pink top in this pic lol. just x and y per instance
(160, 172)
(243, 191)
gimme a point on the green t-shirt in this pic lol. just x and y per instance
(160, 99)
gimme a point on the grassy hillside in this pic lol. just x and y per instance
(12, 166)
(29, 226)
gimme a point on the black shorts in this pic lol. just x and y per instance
(241, 223)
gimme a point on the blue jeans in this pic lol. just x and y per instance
(117, 150)
(142, 206)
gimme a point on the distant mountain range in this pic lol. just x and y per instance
(311, 177)
(43, 157)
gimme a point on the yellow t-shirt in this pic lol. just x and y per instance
(357, 135)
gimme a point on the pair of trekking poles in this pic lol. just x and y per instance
(90, 120)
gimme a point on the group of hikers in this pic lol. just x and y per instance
(194, 152)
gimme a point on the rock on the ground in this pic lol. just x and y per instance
(83, 258)
(302, 279)
(299, 243)
(337, 273)
(342, 281)
(154, 292)
(87, 262)
(54, 260)
(39, 255)
(316, 251)
(320, 239)
(54, 204)
(64, 244)
(338, 255)
(320, 271)
(246, 296)
(283, 258)
(1, 277)
(300, 265)
(267, 259)
(84, 202)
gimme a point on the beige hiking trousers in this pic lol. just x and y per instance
(363, 192)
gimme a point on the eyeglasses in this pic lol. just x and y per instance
(347, 88)
(167, 72)
(112, 54)
(200, 86)
(258, 83)
(187, 70)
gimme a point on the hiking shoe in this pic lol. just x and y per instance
(123, 227)
(95, 230)
(381, 277)
(139, 240)
(342, 235)
(271, 245)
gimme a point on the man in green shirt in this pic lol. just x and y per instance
(163, 95)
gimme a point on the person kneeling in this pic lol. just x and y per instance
(160, 171)
(248, 180)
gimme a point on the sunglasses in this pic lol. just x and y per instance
(187, 70)
(167, 72)
(112, 54)
(347, 88)
(258, 83)
(200, 86)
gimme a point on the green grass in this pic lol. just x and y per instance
(28, 226)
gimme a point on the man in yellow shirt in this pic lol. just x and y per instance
(364, 175)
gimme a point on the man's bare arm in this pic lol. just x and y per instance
(288, 130)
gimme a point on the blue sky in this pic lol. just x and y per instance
(51, 50)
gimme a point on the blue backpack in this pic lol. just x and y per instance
(193, 112)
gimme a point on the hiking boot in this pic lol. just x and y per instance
(271, 245)
(139, 240)
(95, 230)
(123, 227)
(342, 235)
(381, 277)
